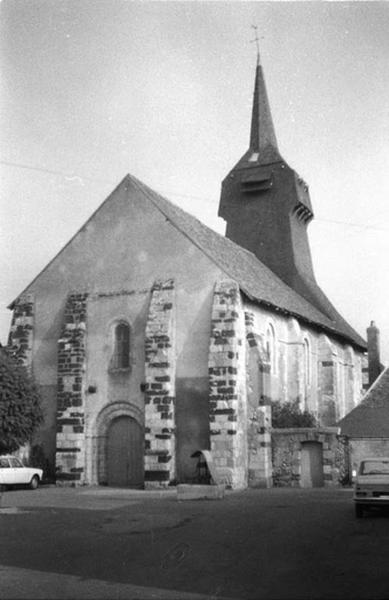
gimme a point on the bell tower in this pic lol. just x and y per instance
(266, 205)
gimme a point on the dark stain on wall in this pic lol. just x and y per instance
(192, 423)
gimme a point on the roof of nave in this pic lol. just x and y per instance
(370, 419)
(255, 279)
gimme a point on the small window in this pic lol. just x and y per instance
(121, 353)
(271, 348)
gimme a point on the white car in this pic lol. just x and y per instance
(371, 488)
(13, 472)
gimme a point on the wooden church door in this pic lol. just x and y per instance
(312, 464)
(125, 453)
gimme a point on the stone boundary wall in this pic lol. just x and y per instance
(21, 332)
(286, 455)
(259, 408)
(160, 360)
(70, 451)
(227, 381)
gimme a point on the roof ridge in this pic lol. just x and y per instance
(142, 187)
(63, 248)
(374, 386)
(321, 318)
(369, 418)
(257, 281)
(149, 192)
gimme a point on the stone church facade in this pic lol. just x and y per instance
(151, 336)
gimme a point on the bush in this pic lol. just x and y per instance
(20, 409)
(289, 414)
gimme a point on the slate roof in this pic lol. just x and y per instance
(255, 280)
(370, 419)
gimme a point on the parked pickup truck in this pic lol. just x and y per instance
(371, 487)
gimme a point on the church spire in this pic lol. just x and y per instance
(266, 205)
(263, 147)
(262, 135)
(263, 140)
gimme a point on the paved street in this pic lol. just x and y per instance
(107, 543)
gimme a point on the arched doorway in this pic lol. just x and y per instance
(124, 453)
(312, 464)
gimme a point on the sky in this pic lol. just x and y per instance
(91, 91)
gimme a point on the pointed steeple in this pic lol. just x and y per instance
(267, 208)
(266, 205)
(263, 147)
(263, 139)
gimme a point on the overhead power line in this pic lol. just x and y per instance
(81, 178)
(348, 224)
(53, 172)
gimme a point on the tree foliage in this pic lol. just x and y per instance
(289, 414)
(20, 409)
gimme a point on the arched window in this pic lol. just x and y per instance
(121, 350)
(271, 348)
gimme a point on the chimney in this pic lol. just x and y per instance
(373, 352)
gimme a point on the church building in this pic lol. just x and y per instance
(152, 337)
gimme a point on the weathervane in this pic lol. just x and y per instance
(256, 40)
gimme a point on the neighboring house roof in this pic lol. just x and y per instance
(255, 280)
(370, 419)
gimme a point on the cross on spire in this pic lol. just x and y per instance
(256, 40)
(262, 135)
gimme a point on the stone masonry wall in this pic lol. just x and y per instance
(258, 408)
(22, 330)
(160, 467)
(287, 449)
(70, 452)
(227, 380)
